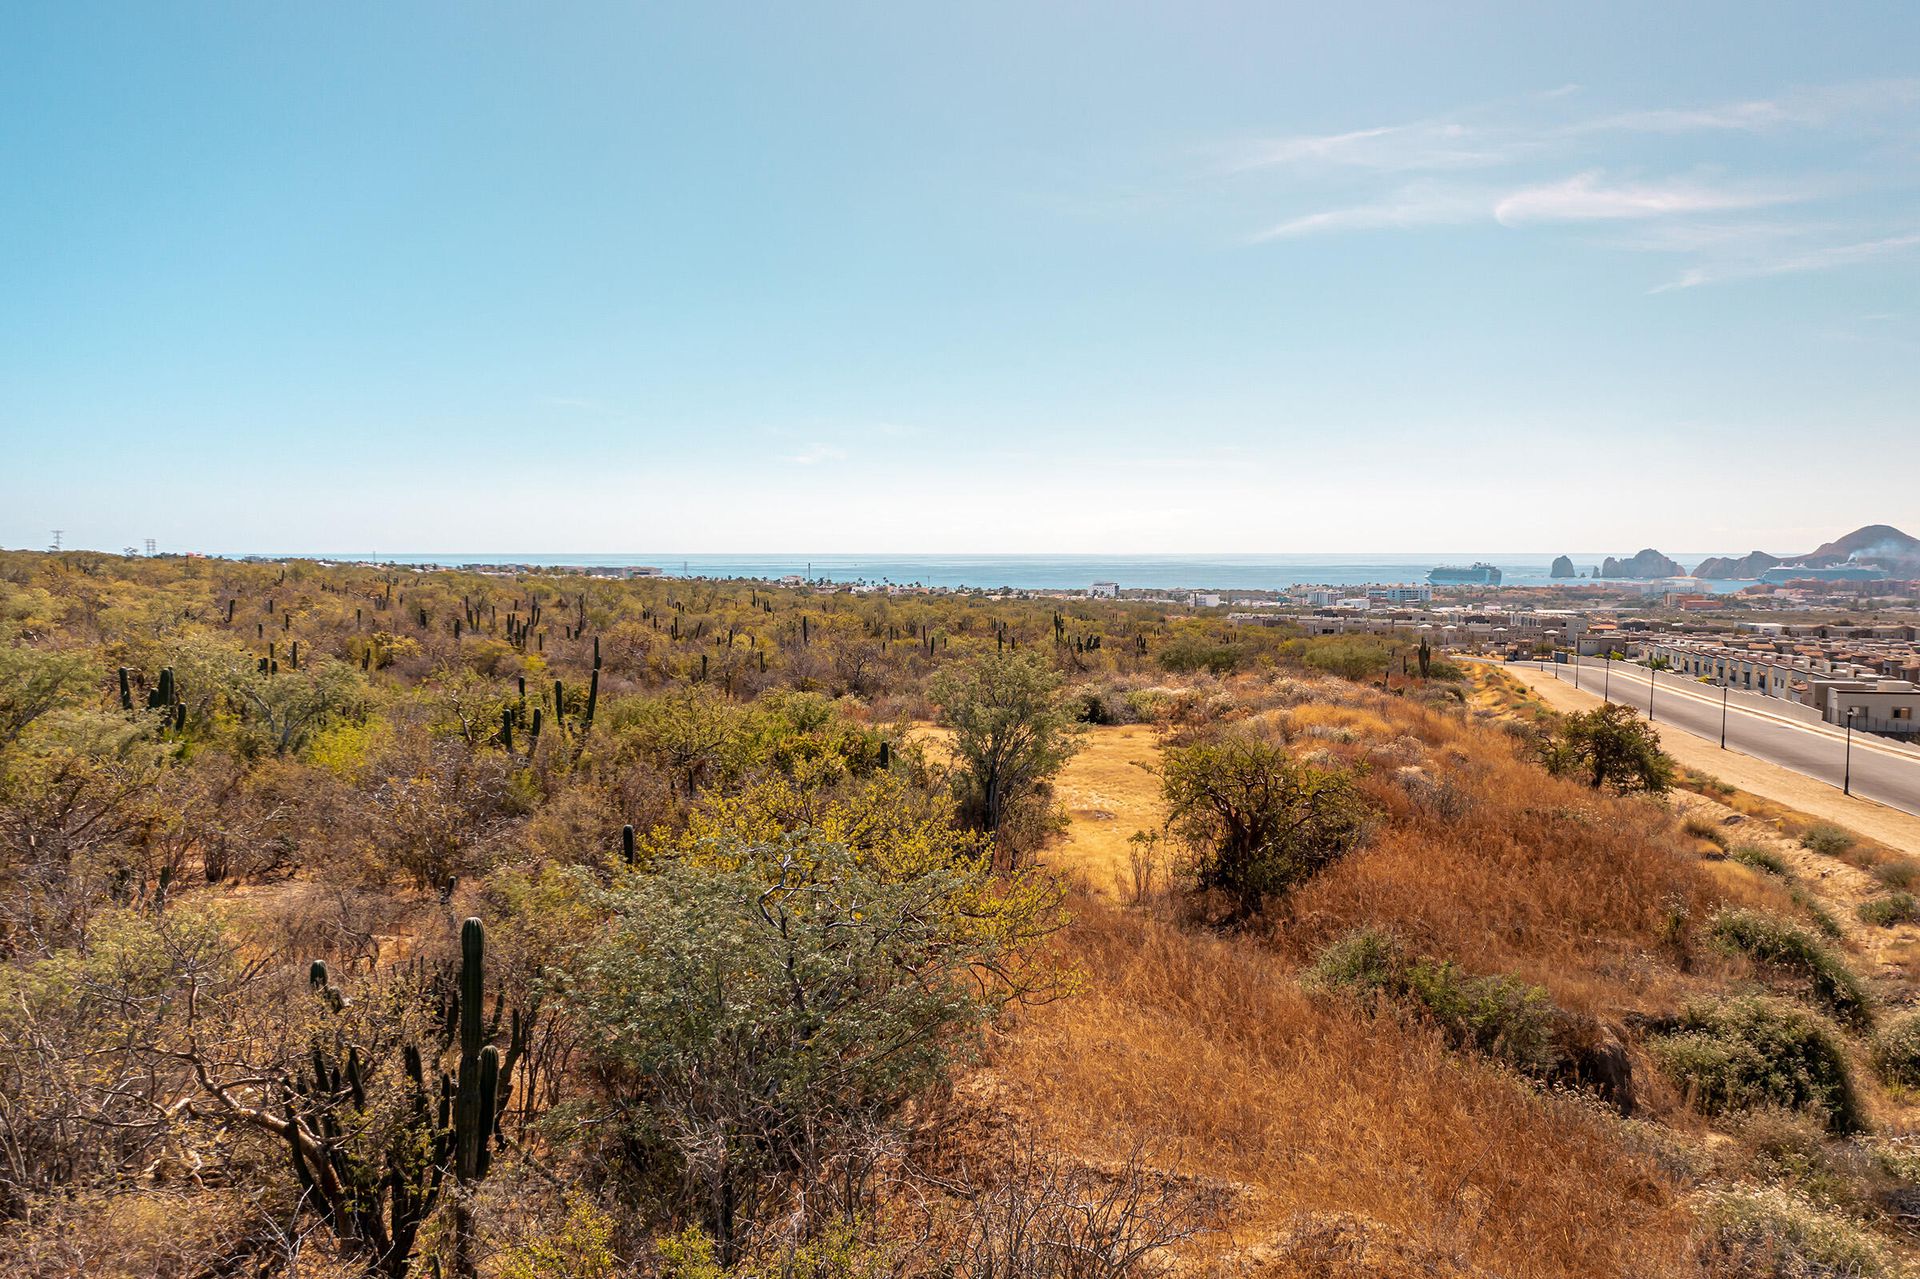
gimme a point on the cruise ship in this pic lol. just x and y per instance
(1453, 575)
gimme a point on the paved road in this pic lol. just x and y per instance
(1764, 727)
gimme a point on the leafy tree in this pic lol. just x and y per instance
(1350, 657)
(33, 682)
(1256, 820)
(753, 1028)
(1611, 746)
(1013, 731)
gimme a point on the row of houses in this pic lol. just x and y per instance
(1838, 690)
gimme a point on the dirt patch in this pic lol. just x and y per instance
(1108, 795)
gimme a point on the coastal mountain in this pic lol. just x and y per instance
(1878, 545)
(1562, 567)
(1723, 568)
(1646, 566)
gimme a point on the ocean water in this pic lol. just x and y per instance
(1057, 572)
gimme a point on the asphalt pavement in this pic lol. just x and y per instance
(1766, 728)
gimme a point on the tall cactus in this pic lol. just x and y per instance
(378, 1199)
(479, 1063)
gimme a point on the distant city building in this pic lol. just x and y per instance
(1404, 594)
(1105, 590)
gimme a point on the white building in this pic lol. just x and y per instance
(1105, 590)
(1874, 706)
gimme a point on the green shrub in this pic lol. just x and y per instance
(1705, 828)
(1761, 859)
(1500, 1016)
(1366, 959)
(1901, 873)
(1825, 837)
(1896, 1051)
(1753, 1051)
(1256, 820)
(1783, 945)
(1816, 912)
(1763, 1232)
(1894, 908)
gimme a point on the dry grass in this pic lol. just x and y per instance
(1328, 1122)
(1108, 795)
(1483, 858)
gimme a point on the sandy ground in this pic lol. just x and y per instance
(1816, 799)
(1108, 796)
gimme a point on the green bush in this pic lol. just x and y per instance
(1705, 828)
(1764, 1232)
(1896, 1051)
(1783, 945)
(1500, 1016)
(1761, 859)
(1256, 820)
(1816, 912)
(1825, 837)
(1752, 1051)
(1901, 873)
(1894, 908)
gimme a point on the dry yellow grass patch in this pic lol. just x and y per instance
(1305, 1107)
(1108, 794)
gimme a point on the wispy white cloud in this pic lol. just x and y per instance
(1806, 108)
(1589, 197)
(1584, 197)
(1538, 163)
(1820, 259)
(1411, 206)
(1403, 148)
(1484, 136)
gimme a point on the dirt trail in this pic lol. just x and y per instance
(1756, 776)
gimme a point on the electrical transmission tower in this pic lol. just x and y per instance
(56, 538)
(150, 546)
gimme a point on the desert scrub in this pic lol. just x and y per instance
(1896, 1051)
(1764, 1232)
(1497, 1015)
(1785, 946)
(1754, 1051)
(1760, 859)
(1825, 837)
(1894, 908)
(1706, 828)
(1900, 873)
(1816, 912)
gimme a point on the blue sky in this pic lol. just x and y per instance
(984, 277)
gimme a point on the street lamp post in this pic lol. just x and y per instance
(1651, 672)
(1846, 778)
(1606, 677)
(1723, 713)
